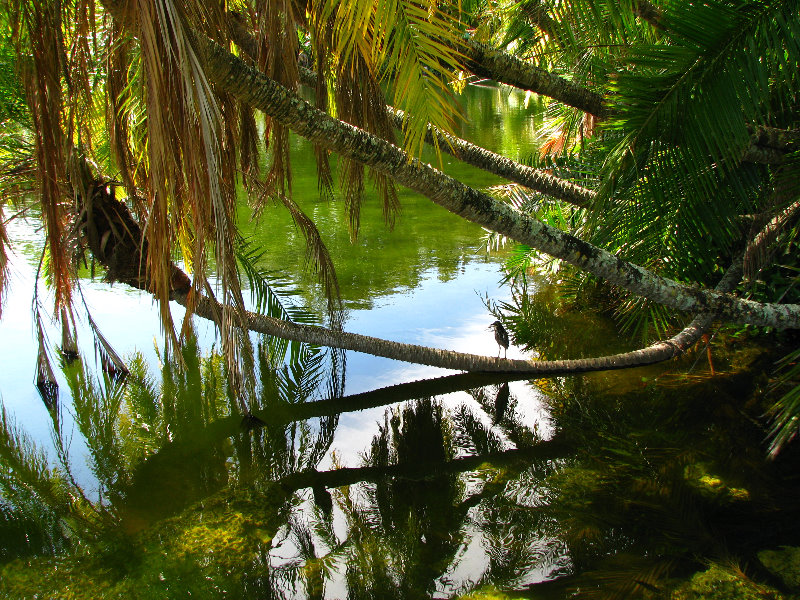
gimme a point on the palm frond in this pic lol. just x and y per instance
(31, 469)
(38, 34)
(69, 336)
(410, 45)
(45, 379)
(360, 101)
(110, 361)
(785, 412)
(473, 435)
(317, 257)
(5, 246)
(685, 109)
(97, 412)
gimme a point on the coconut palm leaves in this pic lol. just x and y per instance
(411, 45)
(685, 108)
(176, 140)
(407, 47)
(39, 31)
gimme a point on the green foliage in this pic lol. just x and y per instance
(31, 498)
(786, 411)
(411, 47)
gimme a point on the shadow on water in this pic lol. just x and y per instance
(638, 488)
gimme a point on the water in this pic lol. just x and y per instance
(605, 485)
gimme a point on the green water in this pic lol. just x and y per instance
(417, 483)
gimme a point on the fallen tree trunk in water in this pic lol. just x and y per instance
(115, 239)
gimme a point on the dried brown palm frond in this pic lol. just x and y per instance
(81, 47)
(360, 101)
(324, 174)
(248, 145)
(110, 361)
(5, 245)
(37, 31)
(121, 108)
(45, 379)
(317, 256)
(191, 199)
(278, 50)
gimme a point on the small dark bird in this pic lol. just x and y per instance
(500, 336)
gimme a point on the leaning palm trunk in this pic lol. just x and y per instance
(232, 75)
(116, 240)
(252, 87)
(448, 359)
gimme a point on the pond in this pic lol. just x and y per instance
(417, 482)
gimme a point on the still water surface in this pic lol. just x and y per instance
(421, 282)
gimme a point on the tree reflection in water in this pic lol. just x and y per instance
(187, 498)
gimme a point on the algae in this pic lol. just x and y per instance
(784, 563)
(719, 582)
(212, 549)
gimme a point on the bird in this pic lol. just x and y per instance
(501, 337)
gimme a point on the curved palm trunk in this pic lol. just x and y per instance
(448, 359)
(255, 88)
(494, 64)
(116, 240)
(535, 179)
(248, 85)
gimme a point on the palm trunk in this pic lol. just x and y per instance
(497, 65)
(256, 89)
(123, 252)
(248, 85)
(535, 179)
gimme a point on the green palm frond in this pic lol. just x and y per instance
(271, 294)
(27, 472)
(29, 523)
(786, 411)
(684, 109)
(97, 411)
(691, 97)
(412, 47)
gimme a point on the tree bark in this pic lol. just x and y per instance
(255, 88)
(535, 179)
(116, 240)
(448, 359)
(486, 61)
(248, 85)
